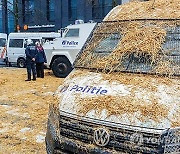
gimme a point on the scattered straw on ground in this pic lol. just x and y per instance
(24, 110)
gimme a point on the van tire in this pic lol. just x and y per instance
(61, 67)
(21, 63)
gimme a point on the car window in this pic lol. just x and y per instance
(16, 43)
(2, 42)
(72, 33)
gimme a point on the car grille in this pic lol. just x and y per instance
(122, 137)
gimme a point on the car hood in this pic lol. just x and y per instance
(132, 99)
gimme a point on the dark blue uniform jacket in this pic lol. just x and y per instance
(41, 57)
(31, 53)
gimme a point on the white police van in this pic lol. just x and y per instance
(61, 52)
(119, 98)
(16, 45)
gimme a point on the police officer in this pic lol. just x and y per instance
(40, 60)
(31, 53)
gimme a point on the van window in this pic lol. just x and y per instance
(2, 42)
(72, 33)
(16, 43)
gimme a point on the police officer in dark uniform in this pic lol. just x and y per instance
(40, 60)
(31, 53)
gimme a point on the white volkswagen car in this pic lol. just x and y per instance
(123, 95)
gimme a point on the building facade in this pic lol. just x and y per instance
(6, 16)
(51, 15)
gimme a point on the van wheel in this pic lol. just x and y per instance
(21, 63)
(61, 67)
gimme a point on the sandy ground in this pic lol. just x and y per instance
(24, 110)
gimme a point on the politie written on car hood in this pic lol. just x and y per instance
(132, 99)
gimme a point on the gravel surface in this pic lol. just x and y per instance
(24, 110)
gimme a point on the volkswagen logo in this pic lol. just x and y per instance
(101, 137)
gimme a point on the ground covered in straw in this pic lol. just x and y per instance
(24, 110)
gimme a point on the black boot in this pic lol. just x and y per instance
(34, 78)
(28, 80)
(29, 77)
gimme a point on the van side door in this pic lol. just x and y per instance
(15, 49)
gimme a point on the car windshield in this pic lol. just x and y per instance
(145, 46)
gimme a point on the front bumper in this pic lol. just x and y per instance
(67, 133)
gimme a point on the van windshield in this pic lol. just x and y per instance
(147, 46)
(72, 33)
(2, 42)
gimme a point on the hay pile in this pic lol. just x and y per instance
(140, 39)
(137, 38)
(156, 9)
(123, 105)
(134, 108)
(147, 39)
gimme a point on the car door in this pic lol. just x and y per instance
(15, 49)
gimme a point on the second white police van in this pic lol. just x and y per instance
(17, 43)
